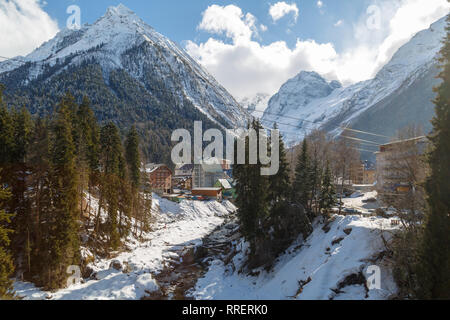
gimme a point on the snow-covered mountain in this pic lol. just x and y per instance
(119, 50)
(399, 95)
(257, 104)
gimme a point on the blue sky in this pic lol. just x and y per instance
(178, 19)
(249, 46)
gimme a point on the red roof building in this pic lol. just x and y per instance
(160, 177)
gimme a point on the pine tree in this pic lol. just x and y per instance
(146, 205)
(134, 169)
(88, 155)
(39, 195)
(88, 135)
(6, 151)
(328, 193)
(19, 174)
(315, 183)
(23, 128)
(71, 106)
(87, 145)
(62, 242)
(279, 184)
(251, 195)
(112, 161)
(302, 184)
(6, 134)
(132, 156)
(434, 276)
(113, 178)
(6, 261)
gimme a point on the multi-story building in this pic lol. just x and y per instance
(184, 170)
(160, 176)
(357, 173)
(206, 175)
(369, 173)
(370, 176)
(397, 162)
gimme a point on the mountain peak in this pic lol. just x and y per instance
(308, 82)
(308, 75)
(399, 95)
(119, 16)
(120, 10)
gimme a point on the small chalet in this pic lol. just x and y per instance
(210, 193)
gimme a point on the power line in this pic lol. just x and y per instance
(302, 127)
(290, 133)
(281, 116)
(366, 132)
(291, 125)
(312, 122)
(362, 140)
(364, 150)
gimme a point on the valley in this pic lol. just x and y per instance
(102, 125)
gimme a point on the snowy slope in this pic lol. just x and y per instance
(111, 40)
(317, 266)
(308, 101)
(177, 226)
(257, 104)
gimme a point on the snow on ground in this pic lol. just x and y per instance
(356, 201)
(176, 226)
(318, 263)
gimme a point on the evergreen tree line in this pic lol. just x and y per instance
(154, 110)
(312, 186)
(434, 257)
(51, 169)
(274, 210)
(422, 254)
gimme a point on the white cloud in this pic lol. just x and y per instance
(339, 23)
(24, 26)
(319, 4)
(229, 21)
(281, 9)
(411, 17)
(374, 47)
(246, 67)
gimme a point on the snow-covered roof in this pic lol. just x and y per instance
(225, 184)
(152, 167)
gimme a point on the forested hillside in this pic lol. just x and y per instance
(119, 99)
(131, 74)
(51, 168)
